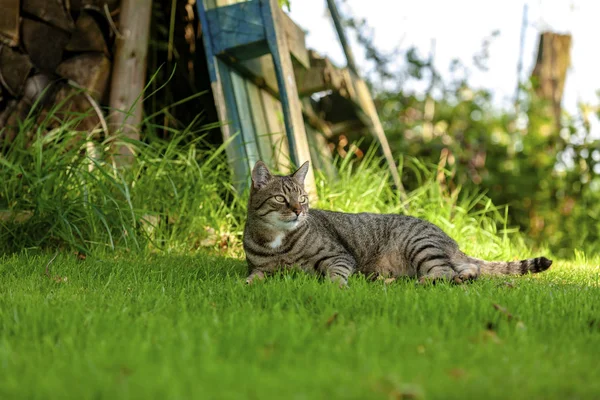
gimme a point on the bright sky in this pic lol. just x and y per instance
(459, 28)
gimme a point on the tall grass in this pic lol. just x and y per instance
(58, 191)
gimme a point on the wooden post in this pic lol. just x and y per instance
(550, 70)
(129, 74)
(288, 92)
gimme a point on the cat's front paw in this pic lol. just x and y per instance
(340, 281)
(255, 276)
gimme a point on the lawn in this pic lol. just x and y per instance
(187, 327)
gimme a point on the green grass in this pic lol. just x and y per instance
(187, 327)
(150, 314)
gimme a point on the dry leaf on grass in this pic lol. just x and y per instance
(331, 320)
(503, 310)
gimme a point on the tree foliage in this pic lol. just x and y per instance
(549, 176)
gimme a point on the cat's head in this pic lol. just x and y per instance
(278, 201)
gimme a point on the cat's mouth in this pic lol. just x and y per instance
(294, 219)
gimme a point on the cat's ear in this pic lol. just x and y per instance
(260, 175)
(300, 174)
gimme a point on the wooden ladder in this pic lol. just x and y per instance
(242, 31)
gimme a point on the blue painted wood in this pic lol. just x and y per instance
(210, 59)
(237, 30)
(271, 33)
(244, 112)
(240, 159)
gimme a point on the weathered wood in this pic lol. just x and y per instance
(276, 131)
(238, 152)
(368, 106)
(44, 53)
(322, 75)
(286, 82)
(237, 30)
(9, 22)
(261, 129)
(218, 75)
(90, 71)
(14, 69)
(129, 73)
(244, 116)
(550, 71)
(51, 11)
(296, 39)
(87, 36)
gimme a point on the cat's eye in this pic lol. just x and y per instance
(280, 199)
(303, 199)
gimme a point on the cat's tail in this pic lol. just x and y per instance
(533, 265)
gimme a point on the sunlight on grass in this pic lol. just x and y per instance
(146, 299)
(181, 326)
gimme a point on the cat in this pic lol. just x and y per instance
(281, 231)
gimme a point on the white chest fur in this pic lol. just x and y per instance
(277, 241)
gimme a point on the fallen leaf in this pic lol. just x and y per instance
(491, 336)
(457, 373)
(503, 310)
(331, 320)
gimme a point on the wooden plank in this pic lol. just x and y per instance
(368, 106)
(276, 131)
(261, 71)
(236, 149)
(259, 120)
(237, 30)
(284, 71)
(244, 116)
(296, 39)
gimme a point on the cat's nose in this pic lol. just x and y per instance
(297, 211)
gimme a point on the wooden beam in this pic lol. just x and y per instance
(286, 82)
(129, 74)
(237, 30)
(221, 90)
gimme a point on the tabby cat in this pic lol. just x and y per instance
(282, 232)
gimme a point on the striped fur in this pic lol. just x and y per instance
(281, 231)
